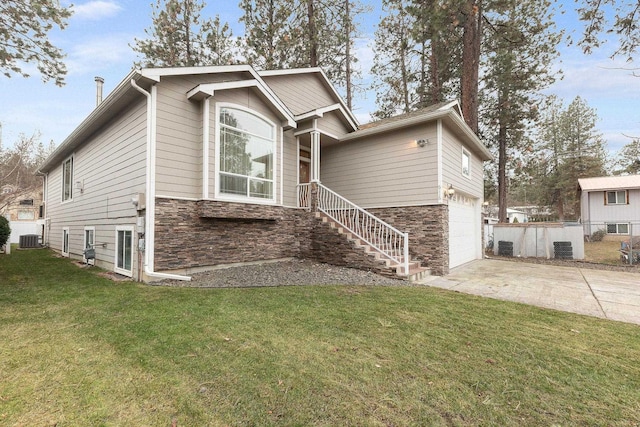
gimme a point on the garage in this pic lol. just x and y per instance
(464, 231)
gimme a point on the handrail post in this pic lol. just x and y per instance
(406, 253)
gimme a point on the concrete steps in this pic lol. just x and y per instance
(416, 271)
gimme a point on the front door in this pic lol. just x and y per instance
(305, 169)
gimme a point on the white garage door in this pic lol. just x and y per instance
(464, 231)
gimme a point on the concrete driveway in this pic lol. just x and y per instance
(608, 294)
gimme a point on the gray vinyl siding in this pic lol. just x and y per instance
(452, 167)
(290, 170)
(598, 214)
(178, 139)
(332, 125)
(384, 170)
(111, 165)
(300, 93)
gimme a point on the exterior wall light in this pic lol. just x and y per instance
(449, 191)
(421, 143)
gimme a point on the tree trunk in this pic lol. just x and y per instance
(313, 37)
(347, 53)
(436, 87)
(502, 174)
(472, 33)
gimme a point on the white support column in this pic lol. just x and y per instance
(206, 110)
(315, 156)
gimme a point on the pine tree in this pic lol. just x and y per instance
(628, 158)
(178, 37)
(24, 39)
(269, 33)
(523, 43)
(393, 64)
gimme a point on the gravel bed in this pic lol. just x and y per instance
(283, 273)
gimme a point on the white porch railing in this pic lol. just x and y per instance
(384, 238)
(304, 196)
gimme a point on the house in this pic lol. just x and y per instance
(22, 207)
(612, 204)
(181, 169)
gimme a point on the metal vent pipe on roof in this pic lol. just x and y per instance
(99, 84)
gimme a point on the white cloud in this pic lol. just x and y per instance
(96, 10)
(100, 53)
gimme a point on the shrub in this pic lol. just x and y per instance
(5, 230)
(597, 236)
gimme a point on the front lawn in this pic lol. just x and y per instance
(80, 350)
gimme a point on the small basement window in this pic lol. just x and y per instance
(621, 228)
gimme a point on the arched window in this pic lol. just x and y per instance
(246, 147)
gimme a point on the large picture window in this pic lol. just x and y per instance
(67, 179)
(246, 145)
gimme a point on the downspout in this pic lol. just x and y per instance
(150, 195)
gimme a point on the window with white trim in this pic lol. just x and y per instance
(124, 250)
(67, 179)
(65, 241)
(616, 197)
(466, 163)
(246, 147)
(620, 228)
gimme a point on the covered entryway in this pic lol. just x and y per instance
(464, 230)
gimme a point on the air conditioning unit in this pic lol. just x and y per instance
(29, 241)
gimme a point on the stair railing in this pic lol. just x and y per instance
(384, 238)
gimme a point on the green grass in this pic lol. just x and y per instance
(80, 350)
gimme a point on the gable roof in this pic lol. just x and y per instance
(609, 183)
(337, 105)
(124, 93)
(448, 111)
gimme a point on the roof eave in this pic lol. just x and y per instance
(90, 123)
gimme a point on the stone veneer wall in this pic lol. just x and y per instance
(331, 247)
(428, 228)
(205, 233)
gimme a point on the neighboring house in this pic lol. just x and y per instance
(181, 169)
(518, 216)
(611, 204)
(23, 210)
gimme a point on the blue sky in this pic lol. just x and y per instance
(97, 43)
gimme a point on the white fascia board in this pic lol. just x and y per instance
(320, 112)
(208, 89)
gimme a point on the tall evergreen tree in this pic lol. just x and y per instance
(568, 147)
(522, 41)
(270, 33)
(393, 60)
(179, 37)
